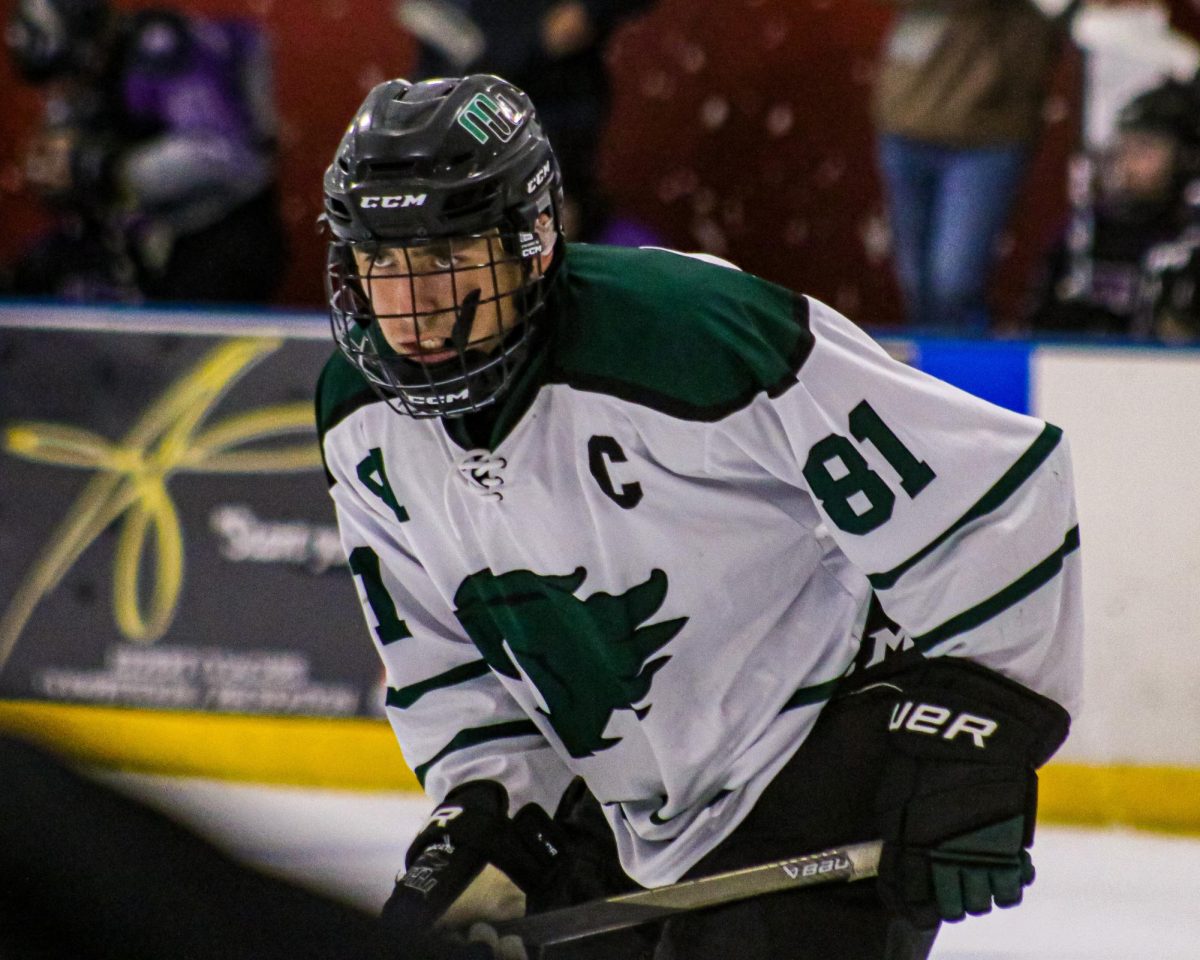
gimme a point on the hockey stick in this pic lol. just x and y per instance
(853, 862)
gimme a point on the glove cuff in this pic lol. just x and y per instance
(473, 818)
(468, 847)
(954, 709)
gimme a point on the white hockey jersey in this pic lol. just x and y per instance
(658, 566)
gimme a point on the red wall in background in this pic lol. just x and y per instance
(740, 127)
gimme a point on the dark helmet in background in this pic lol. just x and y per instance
(1172, 109)
(447, 159)
(53, 38)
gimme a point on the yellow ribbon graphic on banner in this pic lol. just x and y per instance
(131, 482)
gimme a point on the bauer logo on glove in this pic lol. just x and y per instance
(933, 720)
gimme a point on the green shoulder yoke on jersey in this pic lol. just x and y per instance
(341, 389)
(680, 335)
(688, 338)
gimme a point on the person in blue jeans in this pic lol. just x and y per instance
(947, 209)
(958, 107)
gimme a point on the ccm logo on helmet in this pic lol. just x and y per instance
(394, 201)
(538, 178)
(938, 721)
(419, 401)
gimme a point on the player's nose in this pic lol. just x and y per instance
(405, 298)
(406, 320)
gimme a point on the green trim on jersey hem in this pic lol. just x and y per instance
(663, 821)
(1011, 595)
(1026, 465)
(404, 697)
(807, 696)
(475, 736)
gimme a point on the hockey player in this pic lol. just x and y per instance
(1115, 270)
(647, 541)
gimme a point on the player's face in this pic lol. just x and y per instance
(1140, 166)
(417, 292)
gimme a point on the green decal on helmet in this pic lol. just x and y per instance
(485, 114)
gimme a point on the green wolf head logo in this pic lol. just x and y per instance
(586, 658)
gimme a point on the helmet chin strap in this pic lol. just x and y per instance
(461, 333)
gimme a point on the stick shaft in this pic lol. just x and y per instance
(839, 864)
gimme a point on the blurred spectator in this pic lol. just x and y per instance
(1171, 297)
(1128, 47)
(156, 155)
(552, 49)
(1127, 262)
(958, 106)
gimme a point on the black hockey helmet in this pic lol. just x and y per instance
(446, 161)
(1172, 110)
(51, 38)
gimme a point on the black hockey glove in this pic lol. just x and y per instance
(589, 866)
(472, 862)
(958, 795)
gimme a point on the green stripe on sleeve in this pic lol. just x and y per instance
(1006, 486)
(1011, 595)
(404, 697)
(478, 735)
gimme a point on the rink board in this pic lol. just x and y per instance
(363, 755)
(210, 628)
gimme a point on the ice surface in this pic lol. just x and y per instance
(1100, 894)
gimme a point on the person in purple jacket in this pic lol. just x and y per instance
(156, 152)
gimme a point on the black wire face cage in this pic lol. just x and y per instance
(438, 327)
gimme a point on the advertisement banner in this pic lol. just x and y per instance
(166, 538)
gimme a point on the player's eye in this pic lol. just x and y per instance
(443, 256)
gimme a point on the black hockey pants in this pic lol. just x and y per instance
(823, 797)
